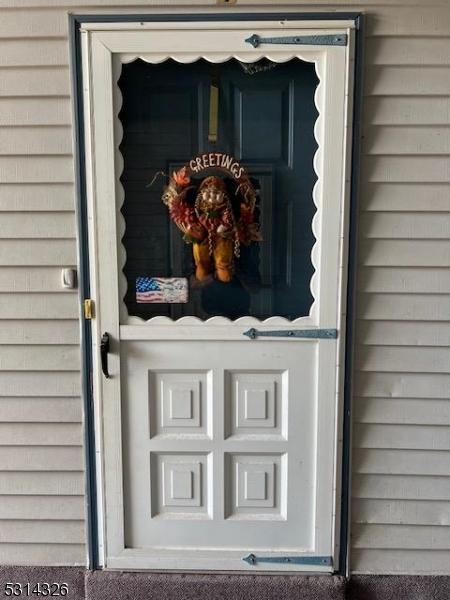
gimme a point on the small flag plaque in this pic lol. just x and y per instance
(161, 290)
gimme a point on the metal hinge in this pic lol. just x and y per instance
(338, 39)
(88, 305)
(321, 334)
(323, 561)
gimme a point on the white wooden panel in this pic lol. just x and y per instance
(37, 196)
(30, 81)
(37, 532)
(406, 81)
(404, 333)
(39, 331)
(405, 169)
(393, 140)
(402, 359)
(417, 411)
(405, 196)
(389, 225)
(397, 110)
(38, 225)
(35, 111)
(401, 307)
(409, 437)
(32, 279)
(43, 554)
(42, 508)
(401, 462)
(39, 306)
(406, 280)
(408, 253)
(40, 410)
(41, 434)
(400, 536)
(398, 512)
(414, 562)
(42, 483)
(407, 51)
(37, 458)
(40, 384)
(38, 252)
(402, 385)
(35, 140)
(30, 169)
(34, 53)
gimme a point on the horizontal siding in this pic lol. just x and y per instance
(404, 280)
(35, 53)
(43, 331)
(399, 511)
(20, 111)
(32, 279)
(41, 483)
(49, 553)
(35, 82)
(47, 197)
(401, 405)
(419, 197)
(45, 139)
(40, 252)
(41, 434)
(408, 411)
(27, 410)
(42, 506)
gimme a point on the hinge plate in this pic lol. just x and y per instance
(322, 561)
(88, 305)
(337, 39)
(318, 334)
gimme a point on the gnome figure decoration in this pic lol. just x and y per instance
(215, 223)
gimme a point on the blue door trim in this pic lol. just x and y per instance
(75, 22)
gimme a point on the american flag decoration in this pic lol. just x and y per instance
(163, 290)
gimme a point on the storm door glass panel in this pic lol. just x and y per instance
(265, 115)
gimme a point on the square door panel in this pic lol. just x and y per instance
(179, 485)
(256, 404)
(179, 404)
(256, 486)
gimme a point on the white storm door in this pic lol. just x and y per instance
(219, 451)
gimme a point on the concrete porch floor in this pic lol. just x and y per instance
(102, 585)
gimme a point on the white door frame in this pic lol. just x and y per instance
(105, 46)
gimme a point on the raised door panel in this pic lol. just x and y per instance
(222, 457)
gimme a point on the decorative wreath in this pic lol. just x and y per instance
(211, 218)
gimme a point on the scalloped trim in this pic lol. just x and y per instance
(125, 317)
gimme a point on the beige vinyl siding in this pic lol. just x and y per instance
(42, 504)
(401, 406)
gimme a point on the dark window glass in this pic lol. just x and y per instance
(266, 121)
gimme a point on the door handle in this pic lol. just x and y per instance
(104, 350)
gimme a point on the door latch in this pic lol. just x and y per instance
(88, 305)
(104, 350)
